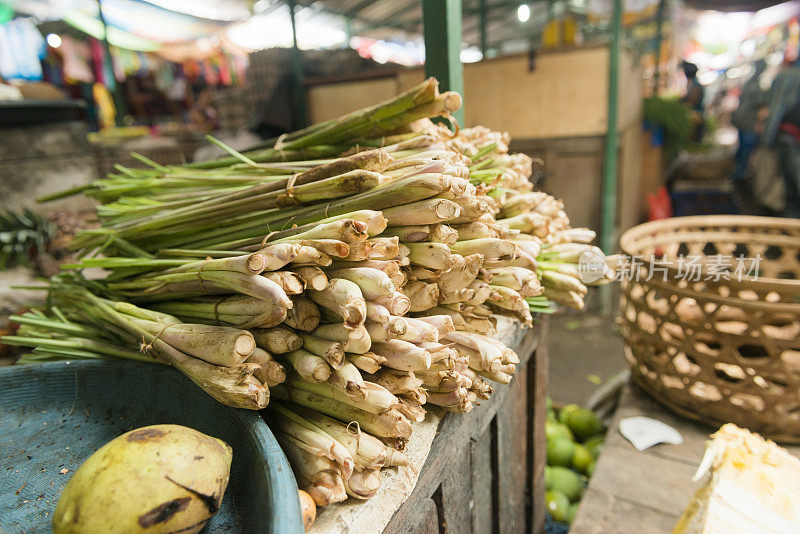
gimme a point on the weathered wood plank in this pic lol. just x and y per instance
(482, 483)
(537, 371)
(457, 491)
(646, 480)
(600, 513)
(454, 429)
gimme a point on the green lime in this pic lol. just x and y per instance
(553, 430)
(564, 413)
(581, 459)
(557, 505)
(549, 403)
(573, 511)
(551, 416)
(590, 469)
(564, 480)
(560, 452)
(583, 423)
(594, 445)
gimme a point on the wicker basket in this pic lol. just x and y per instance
(710, 346)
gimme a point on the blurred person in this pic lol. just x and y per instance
(782, 130)
(203, 112)
(746, 119)
(695, 93)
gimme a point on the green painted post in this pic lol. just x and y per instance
(659, 38)
(483, 13)
(609, 206)
(297, 70)
(441, 21)
(608, 213)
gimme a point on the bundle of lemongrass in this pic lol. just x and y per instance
(374, 278)
(561, 255)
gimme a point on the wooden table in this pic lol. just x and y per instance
(633, 492)
(479, 472)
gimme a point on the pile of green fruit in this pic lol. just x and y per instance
(574, 440)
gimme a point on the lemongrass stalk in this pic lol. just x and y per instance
(367, 451)
(348, 379)
(422, 296)
(309, 366)
(376, 399)
(442, 233)
(507, 298)
(408, 233)
(238, 310)
(455, 316)
(568, 298)
(456, 400)
(431, 255)
(373, 283)
(377, 313)
(498, 376)
(220, 345)
(428, 211)
(304, 315)
(277, 340)
(363, 484)
(443, 323)
(390, 267)
(368, 362)
(270, 372)
(418, 331)
(475, 230)
(397, 303)
(397, 382)
(344, 298)
(345, 230)
(233, 385)
(384, 248)
(490, 248)
(403, 255)
(314, 438)
(324, 487)
(460, 295)
(481, 355)
(426, 275)
(314, 468)
(402, 355)
(311, 256)
(331, 247)
(513, 277)
(438, 350)
(443, 380)
(354, 340)
(483, 292)
(412, 410)
(359, 251)
(579, 235)
(312, 276)
(291, 283)
(480, 387)
(331, 351)
(563, 282)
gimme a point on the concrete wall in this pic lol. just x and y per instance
(41, 159)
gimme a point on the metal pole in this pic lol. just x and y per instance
(482, 13)
(441, 21)
(119, 100)
(297, 70)
(659, 37)
(608, 213)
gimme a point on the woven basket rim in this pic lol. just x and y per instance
(631, 236)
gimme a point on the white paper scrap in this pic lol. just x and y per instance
(644, 432)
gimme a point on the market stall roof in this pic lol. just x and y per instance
(732, 5)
